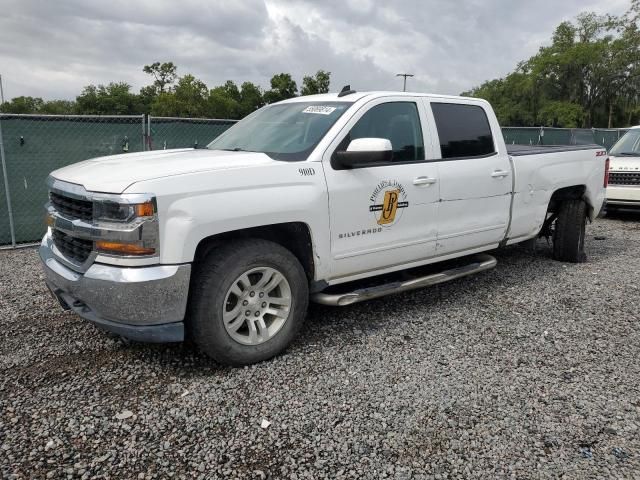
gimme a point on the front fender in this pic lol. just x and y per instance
(192, 207)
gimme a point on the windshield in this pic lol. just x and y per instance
(628, 145)
(288, 131)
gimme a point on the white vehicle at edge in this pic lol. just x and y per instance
(336, 198)
(624, 173)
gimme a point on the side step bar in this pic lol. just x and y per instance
(479, 263)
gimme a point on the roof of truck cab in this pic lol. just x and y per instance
(354, 97)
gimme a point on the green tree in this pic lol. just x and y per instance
(282, 87)
(250, 98)
(146, 97)
(22, 105)
(319, 83)
(59, 107)
(187, 99)
(223, 103)
(112, 99)
(163, 73)
(589, 75)
(561, 114)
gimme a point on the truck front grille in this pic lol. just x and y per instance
(75, 249)
(72, 207)
(624, 178)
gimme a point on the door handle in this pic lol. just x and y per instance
(424, 181)
(499, 173)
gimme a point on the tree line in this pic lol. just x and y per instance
(171, 95)
(589, 76)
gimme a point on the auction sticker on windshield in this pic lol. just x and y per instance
(319, 109)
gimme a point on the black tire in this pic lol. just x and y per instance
(569, 232)
(213, 277)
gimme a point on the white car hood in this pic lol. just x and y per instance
(624, 164)
(115, 173)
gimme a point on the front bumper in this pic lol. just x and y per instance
(146, 304)
(627, 196)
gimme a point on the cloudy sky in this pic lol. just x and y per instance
(52, 49)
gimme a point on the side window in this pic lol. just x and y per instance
(398, 122)
(464, 130)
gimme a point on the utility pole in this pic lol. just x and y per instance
(1, 92)
(404, 75)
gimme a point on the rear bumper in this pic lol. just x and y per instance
(146, 304)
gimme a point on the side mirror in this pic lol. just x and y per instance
(365, 151)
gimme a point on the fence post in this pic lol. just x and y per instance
(149, 140)
(144, 140)
(6, 188)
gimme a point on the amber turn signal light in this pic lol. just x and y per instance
(123, 248)
(144, 209)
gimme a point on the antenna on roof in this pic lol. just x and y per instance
(346, 90)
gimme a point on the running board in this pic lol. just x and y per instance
(479, 263)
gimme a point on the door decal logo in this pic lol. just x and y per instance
(387, 202)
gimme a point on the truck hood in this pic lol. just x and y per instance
(115, 173)
(624, 164)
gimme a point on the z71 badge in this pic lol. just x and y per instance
(387, 202)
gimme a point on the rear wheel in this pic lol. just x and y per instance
(569, 231)
(249, 301)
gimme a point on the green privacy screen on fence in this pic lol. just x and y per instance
(34, 145)
(167, 132)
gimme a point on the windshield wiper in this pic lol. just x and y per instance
(234, 149)
(629, 154)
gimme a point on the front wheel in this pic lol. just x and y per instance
(569, 231)
(249, 301)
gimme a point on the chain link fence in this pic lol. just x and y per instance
(174, 132)
(34, 145)
(31, 146)
(605, 137)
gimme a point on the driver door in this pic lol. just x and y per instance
(383, 215)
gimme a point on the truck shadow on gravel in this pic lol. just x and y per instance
(516, 264)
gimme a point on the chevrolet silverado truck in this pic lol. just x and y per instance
(334, 198)
(624, 178)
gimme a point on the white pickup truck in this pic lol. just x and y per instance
(624, 178)
(336, 198)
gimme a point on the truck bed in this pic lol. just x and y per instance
(517, 150)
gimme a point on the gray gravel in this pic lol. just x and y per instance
(528, 371)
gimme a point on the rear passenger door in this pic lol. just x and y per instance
(475, 177)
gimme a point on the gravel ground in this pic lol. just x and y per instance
(530, 370)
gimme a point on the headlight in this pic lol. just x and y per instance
(130, 229)
(108, 211)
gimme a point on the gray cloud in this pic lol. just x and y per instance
(53, 49)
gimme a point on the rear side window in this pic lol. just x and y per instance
(464, 130)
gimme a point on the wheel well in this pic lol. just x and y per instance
(567, 193)
(294, 236)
